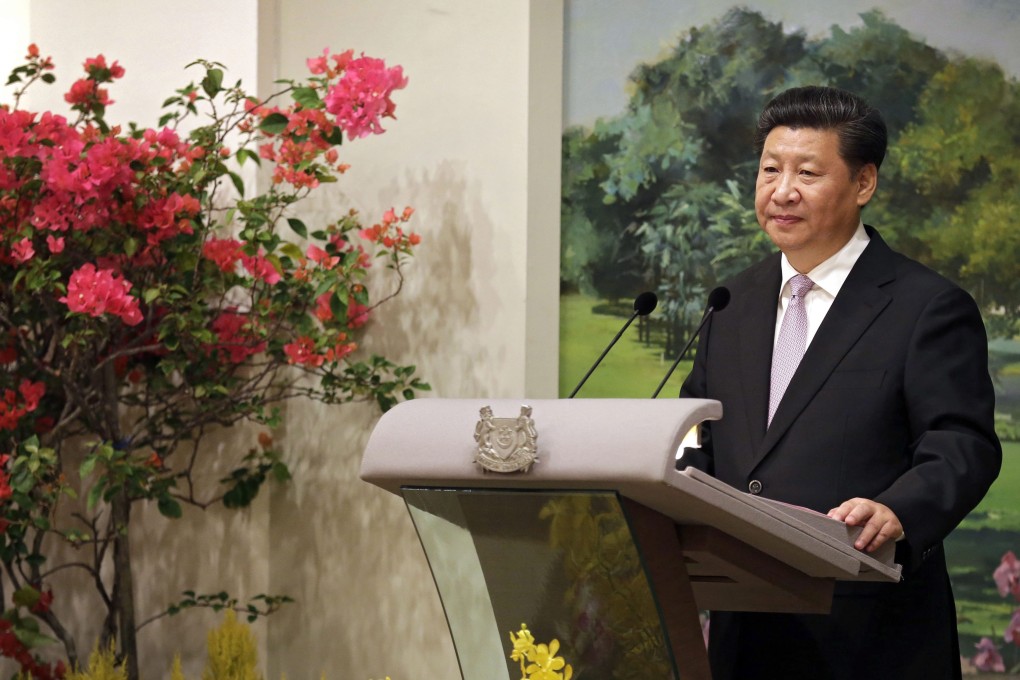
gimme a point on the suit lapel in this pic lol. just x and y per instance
(758, 324)
(859, 301)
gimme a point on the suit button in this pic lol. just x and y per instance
(754, 487)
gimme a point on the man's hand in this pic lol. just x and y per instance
(879, 522)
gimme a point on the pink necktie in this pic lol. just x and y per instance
(791, 343)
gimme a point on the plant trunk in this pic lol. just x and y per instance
(123, 589)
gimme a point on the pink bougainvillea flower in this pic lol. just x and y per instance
(5, 488)
(237, 340)
(988, 658)
(323, 311)
(97, 69)
(80, 91)
(1007, 575)
(85, 92)
(318, 65)
(361, 98)
(99, 291)
(357, 314)
(22, 251)
(55, 244)
(31, 392)
(224, 252)
(302, 351)
(259, 267)
(340, 351)
(320, 256)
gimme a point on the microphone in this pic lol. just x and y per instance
(717, 301)
(643, 306)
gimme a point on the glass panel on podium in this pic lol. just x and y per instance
(563, 563)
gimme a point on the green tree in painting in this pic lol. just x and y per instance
(662, 193)
(961, 155)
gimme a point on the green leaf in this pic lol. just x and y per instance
(238, 182)
(274, 123)
(95, 493)
(245, 154)
(298, 227)
(150, 294)
(292, 251)
(336, 137)
(307, 97)
(26, 596)
(48, 78)
(32, 639)
(213, 81)
(281, 472)
(168, 507)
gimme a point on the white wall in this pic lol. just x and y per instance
(14, 38)
(475, 151)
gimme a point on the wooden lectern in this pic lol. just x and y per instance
(601, 543)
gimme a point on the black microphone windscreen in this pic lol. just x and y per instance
(645, 303)
(719, 298)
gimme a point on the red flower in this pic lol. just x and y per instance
(87, 93)
(31, 392)
(237, 340)
(323, 310)
(259, 267)
(302, 351)
(5, 486)
(357, 314)
(96, 292)
(324, 259)
(44, 603)
(362, 96)
(224, 252)
(9, 347)
(22, 251)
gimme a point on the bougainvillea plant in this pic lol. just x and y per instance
(149, 297)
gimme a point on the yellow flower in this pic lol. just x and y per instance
(543, 662)
(523, 644)
(546, 663)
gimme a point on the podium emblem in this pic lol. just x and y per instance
(506, 444)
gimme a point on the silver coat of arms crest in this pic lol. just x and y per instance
(506, 444)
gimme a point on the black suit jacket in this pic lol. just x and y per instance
(892, 401)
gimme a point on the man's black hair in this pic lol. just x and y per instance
(862, 132)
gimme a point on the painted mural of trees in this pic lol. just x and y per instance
(661, 195)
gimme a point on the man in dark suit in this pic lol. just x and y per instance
(861, 391)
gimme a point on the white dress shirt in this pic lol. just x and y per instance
(828, 278)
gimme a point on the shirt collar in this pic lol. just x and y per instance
(831, 274)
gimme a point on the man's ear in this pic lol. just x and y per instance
(866, 182)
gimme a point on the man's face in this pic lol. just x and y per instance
(806, 199)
